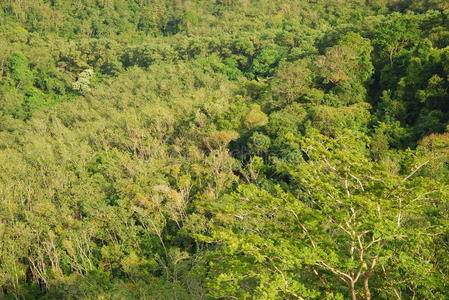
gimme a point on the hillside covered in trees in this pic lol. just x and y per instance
(224, 149)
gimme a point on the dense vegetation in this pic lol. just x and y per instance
(228, 149)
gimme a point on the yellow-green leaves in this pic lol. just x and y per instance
(255, 118)
(83, 82)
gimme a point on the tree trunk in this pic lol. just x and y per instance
(352, 289)
(366, 287)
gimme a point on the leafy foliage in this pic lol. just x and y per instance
(229, 149)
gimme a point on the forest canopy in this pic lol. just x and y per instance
(225, 149)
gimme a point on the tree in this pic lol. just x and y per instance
(347, 67)
(292, 81)
(341, 219)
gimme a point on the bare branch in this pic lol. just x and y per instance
(414, 171)
(341, 274)
(358, 180)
